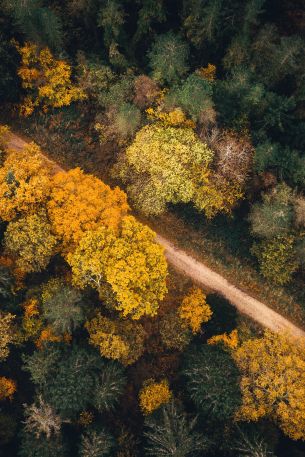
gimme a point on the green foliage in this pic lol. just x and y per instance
(96, 443)
(66, 376)
(110, 387)
(7, 282)
(250, 442)
(40, 447)
(120, 91)
(37, 22)
(168, 58)
(151, 12)
(61, 306)
(73, 378)
(194, 96)
(170, 432)
(111, 19)
(281, 52)
(282, 160)
(204, 371)
(274, 216)
(276, 258)
(174, 334)
(9, 60)
(127, 120)
(8, 425)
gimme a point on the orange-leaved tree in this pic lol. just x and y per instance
(130, 261)
(80, 202)
(7, 388)
(46, 80)
(273, 381)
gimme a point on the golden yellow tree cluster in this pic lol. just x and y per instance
(131, 262)
(153, 395)
(82, 218)
(46, 80)
(273, 381)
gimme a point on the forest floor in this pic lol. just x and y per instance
(204, 276)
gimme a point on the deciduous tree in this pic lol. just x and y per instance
(41, 419)
(194, 310)
(31, 242)
(46, 80)
(153, 395)
(7, 388)
(24, 182)
(162, 166)
(131, 262)
(7, 334)
(81, 202)
(277, 259)
(117, 339)
(272, 381)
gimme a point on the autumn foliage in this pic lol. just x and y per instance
(273, 381)
(193, 310)
(80, 202)
(24, 183)
(121, 340)
(131, 262)
(7, 388)
(46, 80)
(153, 395)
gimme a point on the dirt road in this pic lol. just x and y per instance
(245, 304)
(204, 276)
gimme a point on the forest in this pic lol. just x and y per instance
(138, 119)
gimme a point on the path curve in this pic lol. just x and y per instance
(204, 276)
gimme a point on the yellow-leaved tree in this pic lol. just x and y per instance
(121, 340)
(7, 334)
(168, 163)
(30, 242)
(80, 202)
(46, 80)
(273, 381)
(194, 310)
(24, 182)
(153, 395)
(130, 261)
(159, 166)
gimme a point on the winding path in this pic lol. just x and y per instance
(204, 276)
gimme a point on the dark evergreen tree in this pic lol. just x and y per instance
(212, 382)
